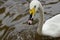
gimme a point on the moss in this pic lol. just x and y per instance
(2, 10)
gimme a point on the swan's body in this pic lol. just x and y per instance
(51, 27)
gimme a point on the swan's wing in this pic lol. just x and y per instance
(51, 26)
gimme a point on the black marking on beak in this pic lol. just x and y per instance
(30, 17)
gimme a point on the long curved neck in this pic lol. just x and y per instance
(41, 20)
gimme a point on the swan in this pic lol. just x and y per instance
(51, 27)
(35, 6)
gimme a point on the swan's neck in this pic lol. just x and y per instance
(39, 29)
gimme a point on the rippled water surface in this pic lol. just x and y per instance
(14, 15)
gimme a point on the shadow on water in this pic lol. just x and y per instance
(43, 37)
(0, 22)
(1, 3)
(2, 10)
(25, 34)
(7, 30)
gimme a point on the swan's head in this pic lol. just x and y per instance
(34, 5)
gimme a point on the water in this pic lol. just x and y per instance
(13, 20)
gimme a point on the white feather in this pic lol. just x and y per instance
(34, 3)
(52, 26)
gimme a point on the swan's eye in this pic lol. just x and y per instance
(35, 6)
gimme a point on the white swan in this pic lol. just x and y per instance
(35, 5)
(51, 27)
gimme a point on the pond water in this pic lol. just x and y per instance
(13, 20)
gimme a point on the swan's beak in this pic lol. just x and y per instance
(32, 11)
